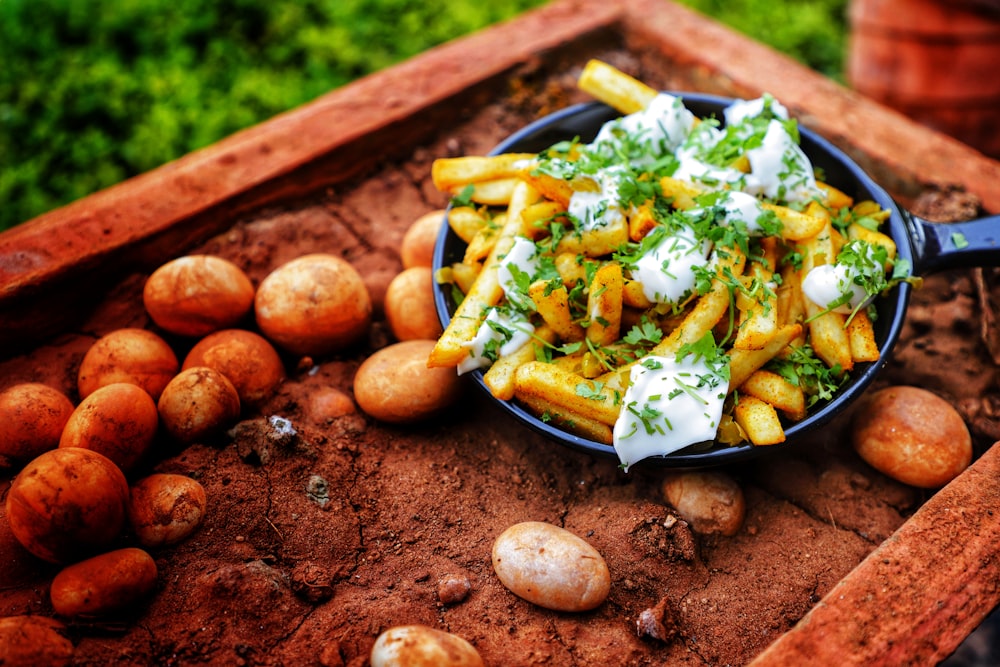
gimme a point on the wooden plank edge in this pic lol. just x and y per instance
(919, 594)
(903, 156)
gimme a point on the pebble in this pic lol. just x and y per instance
(422, 646)
(108, 582)
(711, 501)
(453, 589)
(165, 508)
(29, 641)
(551, 567)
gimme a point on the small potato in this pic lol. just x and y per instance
(118, 420)
(198, 294)
(104, 583)
(417, 248)
(313, 305)
(395, 385)
(912, 435)
(409, 305)
(712, 502)
(198, 403)
(551, 567)
(32, 641)
(165, 509)
(249, 361)
(67, 502)
(32, 417)
(128, 355)
(422, 646)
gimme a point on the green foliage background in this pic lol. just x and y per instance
(93, 92)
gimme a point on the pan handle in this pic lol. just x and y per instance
(940, 246)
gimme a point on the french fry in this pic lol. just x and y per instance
(552, 304)
(641, 222)
(776, 390)
(499, 377)
(604, 304)
(861, 338)
(580, 425)
(489, 193)
(597, 241)
(760, 318)
(709, 309)
(466, 222)
(453, 174)
(681, 192)
(615, 88)
(450, 348)
(796, 225)
(569, 391)
(743, 363)
(835, 199)
(760, 421)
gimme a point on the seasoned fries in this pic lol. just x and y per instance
(653, 299)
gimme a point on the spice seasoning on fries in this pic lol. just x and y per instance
(676, 281)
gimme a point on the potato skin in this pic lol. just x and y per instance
(165, 509)
(313, 305)
(395, 385)
(409, 305)
(118, 420)
(247, 359)
(417, 247)
(31, 641)
(912, 435)
(198, 403)
(104, 583)
(67, 502)
(712, 502)
(128, 355)
(197, 294)
(32, 418)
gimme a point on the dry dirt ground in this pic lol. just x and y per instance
(313, 546)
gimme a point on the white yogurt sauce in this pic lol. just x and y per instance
(660, 128)
(523, 255)
(779, 169)
(598, 208)
(516, 328)
(668, 405)
(667, 271)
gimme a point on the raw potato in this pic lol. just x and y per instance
(249, 361)
(409, 305)
(118, 420)
(128, 355)
(395, 385)
(417, 248)
(32, 417)
(712, 502)
(313, 305)
(198, 403)
(105, 583)
(198, 294)
(67, 502)
(422, 646)
(551, 567)
(912, 435)
(165, 508)
(34, 641)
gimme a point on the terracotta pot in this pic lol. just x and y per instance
(934, 61)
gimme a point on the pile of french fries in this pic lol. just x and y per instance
(575, 370)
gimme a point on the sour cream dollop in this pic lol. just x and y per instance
(509, 330)
(668, 405)
(667, 272)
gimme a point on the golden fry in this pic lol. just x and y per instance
(552, 304)
(760, 421)
(565, 419)
(615, 88)
(499, 378)
(453, 174)
(604, 305)
(569, 391)
(776, 390)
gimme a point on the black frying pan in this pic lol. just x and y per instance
(929, 247)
